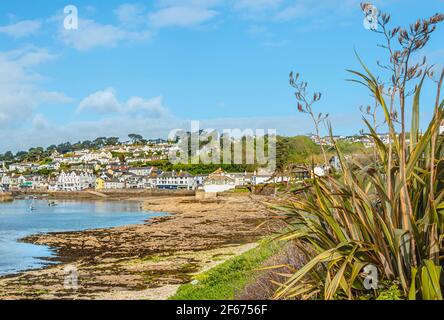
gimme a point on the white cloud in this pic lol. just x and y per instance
(16, 66)
(101, 102)
(135, 23)
(19, 90)
(106, 102)
(40, 122)
(91, 34)
(153, 107)
(181, 16)
(21, 29)
(131, 14)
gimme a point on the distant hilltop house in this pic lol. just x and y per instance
(87, 167)
(102, 157)
(23, 167)
(144, 171)
(117, 166)
(219, 181)
(3, 168)
(364, 139)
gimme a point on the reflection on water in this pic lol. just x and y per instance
(22, 218)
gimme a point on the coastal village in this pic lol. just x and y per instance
(125, 166)
(131, 166)
(99, 170)
(268, 152)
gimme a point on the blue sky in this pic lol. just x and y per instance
(151, 66)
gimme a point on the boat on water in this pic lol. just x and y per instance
(31, 206)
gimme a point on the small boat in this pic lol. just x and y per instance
(31, 206)
(52, 204)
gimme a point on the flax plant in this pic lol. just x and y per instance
(389, 213)
(305, 105)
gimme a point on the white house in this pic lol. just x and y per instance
(33, 182)
(261, 177)
(75, 181)
(16, 180)
(200, 179)
(102, 157)
(5, 180)
(3, 168)
(114, 184)
(136, 182)
(19, 167)
(71, 159)
(175, 181)
(240, 178)
(143, 171)
(152, 179)
(219, 181)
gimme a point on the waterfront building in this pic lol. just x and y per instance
(261, 177)
(75, 181)
(100, 184)
(114, 184)
(136, 182)
(175, 181)
(219, 181)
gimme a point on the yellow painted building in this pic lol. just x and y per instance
(100, 184)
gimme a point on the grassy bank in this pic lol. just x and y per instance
(227, 279)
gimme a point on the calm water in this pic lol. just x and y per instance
(17, 220)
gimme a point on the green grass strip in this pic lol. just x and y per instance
(228, 278)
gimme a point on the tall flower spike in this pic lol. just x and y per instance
(300, 108)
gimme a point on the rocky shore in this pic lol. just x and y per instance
(145, 261)
(6, 197)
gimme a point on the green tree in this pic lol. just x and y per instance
(112, 141)
(135, 138)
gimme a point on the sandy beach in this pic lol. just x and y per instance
(147, 261)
